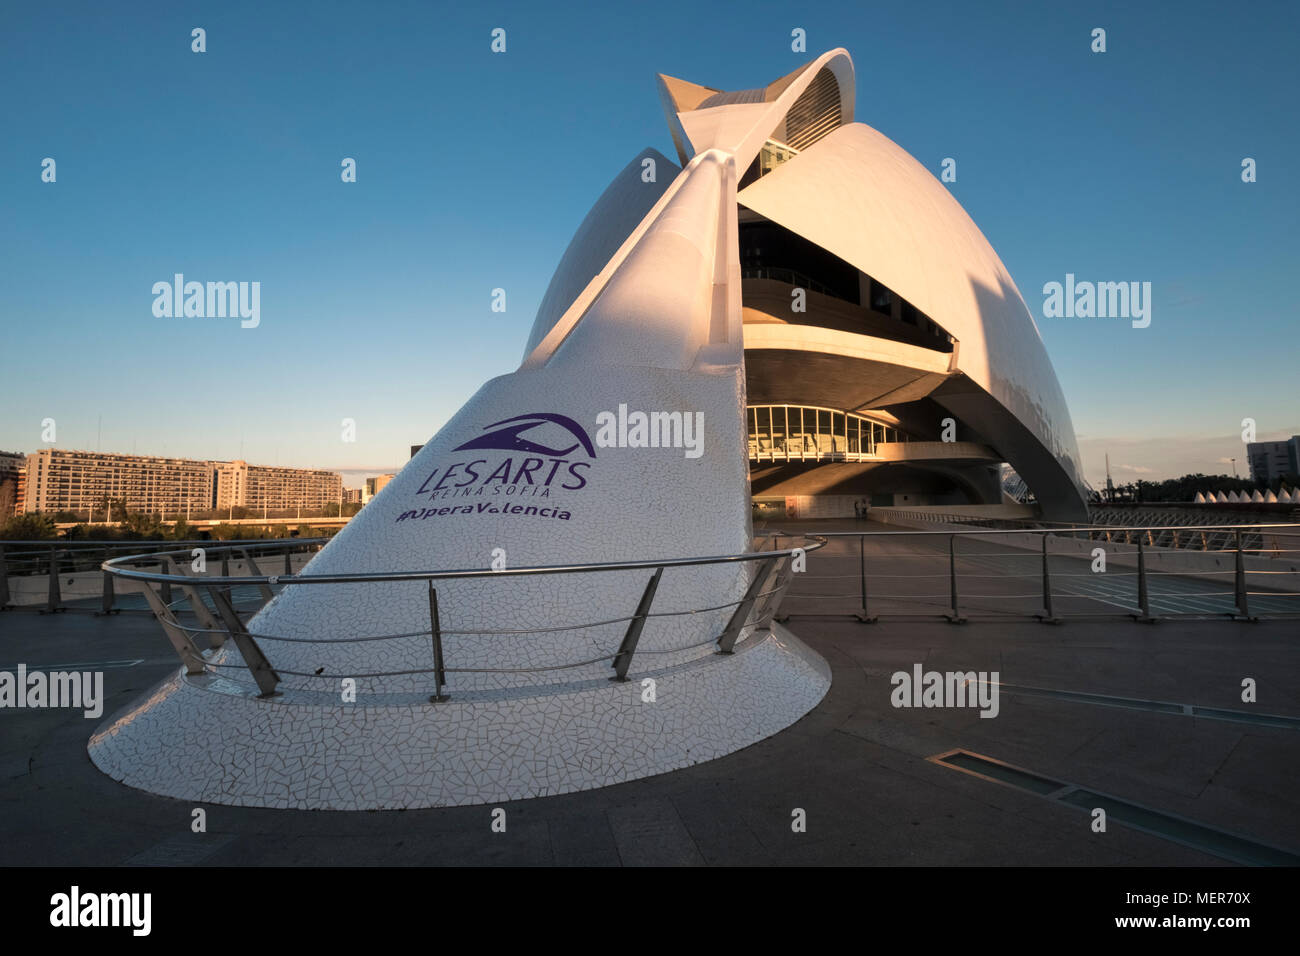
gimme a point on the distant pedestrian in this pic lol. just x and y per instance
(857, 510)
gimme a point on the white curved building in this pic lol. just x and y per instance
(666, 371)
(909, 316)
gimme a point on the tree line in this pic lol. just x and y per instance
(1184, 489)
(138, 526)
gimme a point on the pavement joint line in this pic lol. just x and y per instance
(1202, 837)
(179, 850)
(1154, 706)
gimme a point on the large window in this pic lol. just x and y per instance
(882, 299)
(805, 433)
(770, 251)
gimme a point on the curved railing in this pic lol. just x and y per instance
(220, 621)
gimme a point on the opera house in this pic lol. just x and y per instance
(906, 317)
(799, 294)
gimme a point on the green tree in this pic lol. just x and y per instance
(27, 527)
(141, 527)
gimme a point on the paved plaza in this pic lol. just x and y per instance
(1082, 703)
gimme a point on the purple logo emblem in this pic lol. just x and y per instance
(511, 437)
(531, 469)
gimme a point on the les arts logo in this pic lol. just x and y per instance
(531, 470)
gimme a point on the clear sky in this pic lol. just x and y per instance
(474, 169)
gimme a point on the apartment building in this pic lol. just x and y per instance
(78, 481)
(267, 487)
(59, 480)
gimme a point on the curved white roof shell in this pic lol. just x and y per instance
(617, 212)
(862, 197)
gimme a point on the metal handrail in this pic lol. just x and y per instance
(111, 566)
(267, 678)
(123, 542)
(1066, 529)
(1142, 610)
(41, 546)
(55, 554)
(1039, 524)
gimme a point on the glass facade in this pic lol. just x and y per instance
(808, 433)
(773, 154)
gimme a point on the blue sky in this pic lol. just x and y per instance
(474, 169)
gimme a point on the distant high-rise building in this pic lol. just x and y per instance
(79, 481)
(21, 491)
(374, 486)
(352, 496)
(268, 487)
(1270, 460)
(12, 467)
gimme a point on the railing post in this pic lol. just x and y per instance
(225, 573)
(727, 640)
(435, 632)
(253, 569)
(288, 567)
(215, 638)
(180, 639)
(623, 659)
(1239, 578)
(1144, 600)
(786, 572)
(263, 673)
(165, 586)
(1048, 616)
(110, 588)
(772, 603)
(54, 594)
(109, 597)
(865, 615)
(953, 615)
(4, 580)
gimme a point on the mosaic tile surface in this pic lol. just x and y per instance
(520, 477)
(208, 740)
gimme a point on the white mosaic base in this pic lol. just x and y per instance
(638, 504)
(660, 339)
(206, 739)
